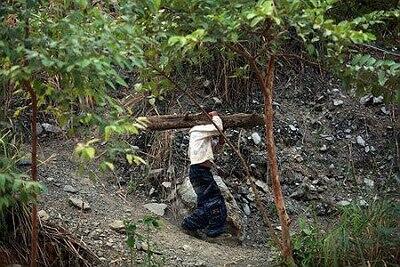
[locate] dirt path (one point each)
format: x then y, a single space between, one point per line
108 203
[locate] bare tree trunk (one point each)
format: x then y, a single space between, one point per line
34 217
167 122
267 88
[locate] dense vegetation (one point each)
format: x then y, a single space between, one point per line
71 59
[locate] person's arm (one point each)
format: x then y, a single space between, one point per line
219 144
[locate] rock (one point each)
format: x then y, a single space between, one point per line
152 191
343 203
50 179
51 128
70 189
117 226
366 100
246 209
262 185
385 111
235 220
166 184
293 128
337 102
76 202
187 248
156 208
256 138
250 196
323 148
200 263
43 215
142 246
187 194
369 182
25 162
377 100
155 172
298 158
206 83
298 194
217 100
360 141
39 129
362 203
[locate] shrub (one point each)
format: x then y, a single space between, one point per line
362 236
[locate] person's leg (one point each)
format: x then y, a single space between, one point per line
213 203
217 211
201 185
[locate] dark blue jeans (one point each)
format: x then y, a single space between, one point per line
210 213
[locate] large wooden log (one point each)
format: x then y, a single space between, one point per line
168 122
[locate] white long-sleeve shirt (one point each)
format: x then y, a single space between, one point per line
200 142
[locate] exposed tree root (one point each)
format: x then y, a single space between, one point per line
56 246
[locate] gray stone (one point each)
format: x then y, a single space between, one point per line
362 203
385 111
79 203
39 129
377 100
293 128
337 102
360 141
262 185
323 148
156 208
141 246
166 184
152 191
366 99
25 162
343 203
217 100
298 194
256 138
70 189
369 182
43 215
246 209
51 128
298 158
156 172
118 226
187 247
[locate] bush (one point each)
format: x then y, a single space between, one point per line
15 189
367 236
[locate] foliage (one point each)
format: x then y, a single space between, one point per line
362 236
73 63
135 240
183 32
15 189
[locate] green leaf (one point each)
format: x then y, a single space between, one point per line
129 158
256 20
89 152
382 78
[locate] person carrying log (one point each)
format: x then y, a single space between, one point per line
210 213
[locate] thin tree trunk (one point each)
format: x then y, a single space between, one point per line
34 217
167 122
267 88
